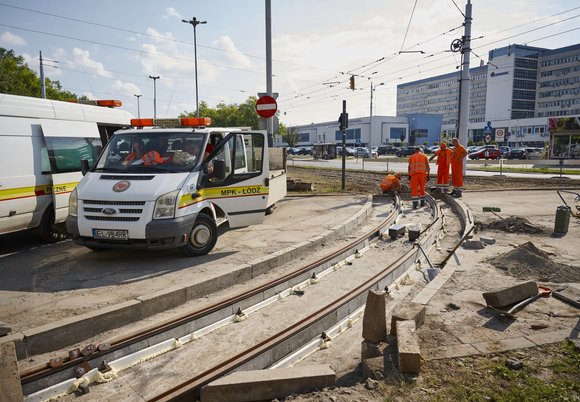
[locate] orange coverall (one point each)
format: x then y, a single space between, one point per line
459 153
418 171
443 155
390 182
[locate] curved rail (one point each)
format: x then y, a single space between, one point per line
273 349
125 345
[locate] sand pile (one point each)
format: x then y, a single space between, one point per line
527 262
513 224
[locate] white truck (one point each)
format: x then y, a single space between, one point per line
42 143
169 183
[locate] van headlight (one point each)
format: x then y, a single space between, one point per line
73 202
165 206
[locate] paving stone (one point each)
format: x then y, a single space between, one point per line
408 347
553 336
258 385
487 240
473 245
513 294
10 387
369 350
375 317
503 345
408 311
451 351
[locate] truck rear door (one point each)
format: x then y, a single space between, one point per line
236 181
67 143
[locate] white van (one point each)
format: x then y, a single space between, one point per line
169 183
42 143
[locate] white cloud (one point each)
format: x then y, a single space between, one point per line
10 39
232 55
83 58
170 12
126 88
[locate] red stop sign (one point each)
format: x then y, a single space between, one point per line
266 106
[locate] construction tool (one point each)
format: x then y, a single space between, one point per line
543 291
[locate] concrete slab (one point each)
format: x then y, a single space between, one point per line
408 347
10 388
510 295
258 385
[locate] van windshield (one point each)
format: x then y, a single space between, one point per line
152 152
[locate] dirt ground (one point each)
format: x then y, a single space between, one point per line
325 180
457 315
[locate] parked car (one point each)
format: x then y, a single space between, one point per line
387 150
534 153
517 154
292 151
406 151
504 150
362 152
486 152
473 148
432 149
305 151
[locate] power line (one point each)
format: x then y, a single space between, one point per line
453 1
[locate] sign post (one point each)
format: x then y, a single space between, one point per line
343 125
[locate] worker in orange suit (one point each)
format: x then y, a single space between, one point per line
391 182
459 154
443 155
418 175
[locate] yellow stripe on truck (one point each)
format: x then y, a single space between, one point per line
35 191
222 192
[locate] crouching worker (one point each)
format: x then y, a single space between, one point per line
391 182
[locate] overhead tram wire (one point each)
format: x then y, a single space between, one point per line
307 103
158 37
462 13
408 25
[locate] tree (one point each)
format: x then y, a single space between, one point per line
291 137
16 78
232 115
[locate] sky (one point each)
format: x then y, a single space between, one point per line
108 49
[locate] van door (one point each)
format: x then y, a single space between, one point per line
236 180
67 143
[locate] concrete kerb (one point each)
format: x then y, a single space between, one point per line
66 332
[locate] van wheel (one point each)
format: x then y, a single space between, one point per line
51 232
202 238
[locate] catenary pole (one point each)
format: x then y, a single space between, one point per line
154 95
42 83
465 83
270 120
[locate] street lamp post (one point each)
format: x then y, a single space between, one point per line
194 23
138 108
154 95
371 117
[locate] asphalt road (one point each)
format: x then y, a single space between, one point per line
394 164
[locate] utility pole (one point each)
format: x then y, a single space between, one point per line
194 23
138 109
154 95
269 121
465 83
42 83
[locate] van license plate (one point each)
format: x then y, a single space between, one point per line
111 234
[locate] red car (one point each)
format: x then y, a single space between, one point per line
486 152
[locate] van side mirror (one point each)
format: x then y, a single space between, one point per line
85 166
219 169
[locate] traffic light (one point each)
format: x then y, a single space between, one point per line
343 121
352 82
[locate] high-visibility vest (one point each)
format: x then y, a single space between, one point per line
418 163
152 157
459 152
390 182
444 156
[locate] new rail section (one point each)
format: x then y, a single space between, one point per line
273 349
